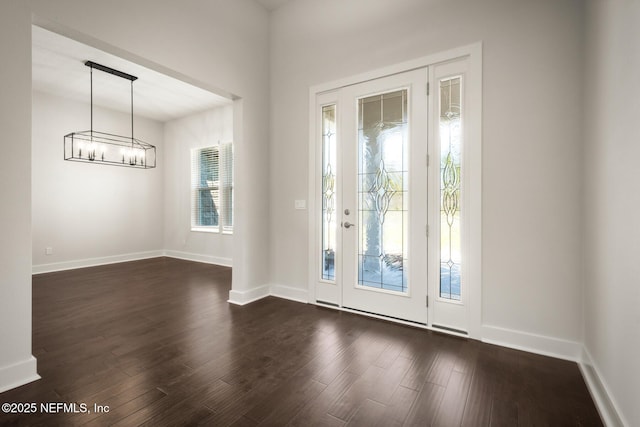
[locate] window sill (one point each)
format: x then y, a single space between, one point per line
205 229
215 230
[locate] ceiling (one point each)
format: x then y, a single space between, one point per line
272 4
58 69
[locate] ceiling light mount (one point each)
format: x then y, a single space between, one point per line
105 148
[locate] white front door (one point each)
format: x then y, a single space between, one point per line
394 194
384 203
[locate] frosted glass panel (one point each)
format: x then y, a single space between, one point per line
383 191
328 192
450 119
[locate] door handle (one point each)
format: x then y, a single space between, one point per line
348 224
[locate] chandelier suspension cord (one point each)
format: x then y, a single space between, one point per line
131 113
91 77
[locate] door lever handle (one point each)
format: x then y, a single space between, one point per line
348 224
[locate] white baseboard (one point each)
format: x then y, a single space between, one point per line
518 340
279 291
539 344
293 294
92 262
248 296
208 259
611 416
18 374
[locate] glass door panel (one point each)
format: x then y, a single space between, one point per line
383 191
329 213
450 125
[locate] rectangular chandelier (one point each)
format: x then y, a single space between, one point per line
105 148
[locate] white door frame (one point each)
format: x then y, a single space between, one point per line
473 151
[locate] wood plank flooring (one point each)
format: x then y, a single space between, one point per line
157 342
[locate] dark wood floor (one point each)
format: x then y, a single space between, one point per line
157 342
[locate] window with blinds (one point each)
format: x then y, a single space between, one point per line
212 188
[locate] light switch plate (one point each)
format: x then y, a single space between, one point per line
301 204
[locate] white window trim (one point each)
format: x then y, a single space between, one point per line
474 168
216 229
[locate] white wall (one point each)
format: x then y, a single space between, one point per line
222 44
612 201
85 211
531 135
218 44
180 136
17 366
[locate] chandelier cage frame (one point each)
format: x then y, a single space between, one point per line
95 147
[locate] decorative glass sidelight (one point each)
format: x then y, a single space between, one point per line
328 192
383 191
450 125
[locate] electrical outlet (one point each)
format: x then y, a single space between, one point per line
48 250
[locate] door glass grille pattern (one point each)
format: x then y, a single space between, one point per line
328 192
450 127
383 208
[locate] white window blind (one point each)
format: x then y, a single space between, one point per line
212 188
